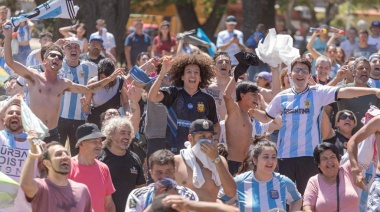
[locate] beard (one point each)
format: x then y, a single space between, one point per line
60 172
12 128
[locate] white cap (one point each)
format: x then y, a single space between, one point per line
74 40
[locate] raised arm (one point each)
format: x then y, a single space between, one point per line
227 96
134 95
65 31
332 39
269 94
339 76
351 92
155 95
310 48
326 128
352 148
17 67
27 182
77 88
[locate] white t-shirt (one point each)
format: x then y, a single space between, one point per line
12 160
108 39
374 41
225 36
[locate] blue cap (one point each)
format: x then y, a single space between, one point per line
96 37
375 24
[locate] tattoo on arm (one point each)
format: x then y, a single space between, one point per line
133 110
94 86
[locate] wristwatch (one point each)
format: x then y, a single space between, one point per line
217 160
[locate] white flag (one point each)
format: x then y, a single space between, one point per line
51 9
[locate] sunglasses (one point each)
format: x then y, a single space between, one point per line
54 55
345 116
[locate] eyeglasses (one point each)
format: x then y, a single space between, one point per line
361 68
345 116
54 55
299 70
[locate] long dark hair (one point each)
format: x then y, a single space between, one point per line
160 35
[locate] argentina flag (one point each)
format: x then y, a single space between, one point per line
50 9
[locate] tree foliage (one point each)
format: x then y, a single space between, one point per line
213 9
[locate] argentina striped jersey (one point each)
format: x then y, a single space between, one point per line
23 33
256 196
300 130
71 106
31 60
373 83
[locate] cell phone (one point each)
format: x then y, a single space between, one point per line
235 35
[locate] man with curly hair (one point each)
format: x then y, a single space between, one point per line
184 101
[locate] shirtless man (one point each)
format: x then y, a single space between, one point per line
203 153
238 123
370 128
222 69
46 88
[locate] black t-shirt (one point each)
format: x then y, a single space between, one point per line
338 140
84 56
182 110
126 172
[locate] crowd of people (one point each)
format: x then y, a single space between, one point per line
179 129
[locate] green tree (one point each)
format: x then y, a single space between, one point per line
255 12
187 14
114 12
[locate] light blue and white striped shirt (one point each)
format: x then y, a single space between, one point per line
373 83
71 106
23 33
300 130
31 60
256 196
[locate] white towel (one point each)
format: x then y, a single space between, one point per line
189 155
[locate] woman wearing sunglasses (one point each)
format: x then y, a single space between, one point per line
345 122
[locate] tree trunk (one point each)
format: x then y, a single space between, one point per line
187 15
255 12
114 12
288 17
213 19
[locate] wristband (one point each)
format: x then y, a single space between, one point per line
32 155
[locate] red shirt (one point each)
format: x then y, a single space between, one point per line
163 45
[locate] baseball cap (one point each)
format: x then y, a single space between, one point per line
88 131
231 19
202 125
71 40
96 37
375 24
265 75
374 55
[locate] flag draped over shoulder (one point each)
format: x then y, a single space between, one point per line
50 9
8 190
